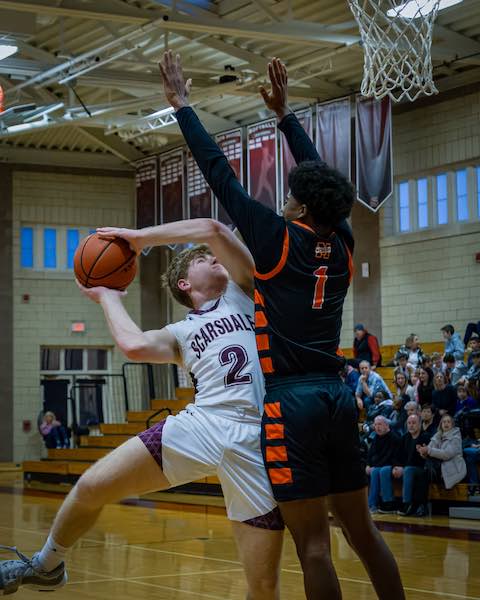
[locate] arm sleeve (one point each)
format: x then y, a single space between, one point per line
451 449
374 349
261 228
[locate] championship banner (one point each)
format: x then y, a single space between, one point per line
199 195
231 144
288 162
146 184
374 151
333 139
262 162
171 186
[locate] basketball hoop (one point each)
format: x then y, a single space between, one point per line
397 39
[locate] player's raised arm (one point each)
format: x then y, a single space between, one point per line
137 345
276 100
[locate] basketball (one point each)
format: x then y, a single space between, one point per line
109 263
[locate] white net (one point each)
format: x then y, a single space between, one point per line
397 39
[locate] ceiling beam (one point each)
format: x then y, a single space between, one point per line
113 144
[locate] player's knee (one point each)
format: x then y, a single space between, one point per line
264 587
314 554
89 489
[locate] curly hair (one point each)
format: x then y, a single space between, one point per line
178 269
327 194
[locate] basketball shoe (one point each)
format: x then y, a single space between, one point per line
27 572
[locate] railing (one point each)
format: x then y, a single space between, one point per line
155 414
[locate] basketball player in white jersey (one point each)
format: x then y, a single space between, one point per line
219 434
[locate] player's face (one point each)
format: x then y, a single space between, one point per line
292 210
205 272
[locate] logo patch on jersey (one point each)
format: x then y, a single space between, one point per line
323 250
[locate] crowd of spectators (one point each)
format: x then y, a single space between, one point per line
423 431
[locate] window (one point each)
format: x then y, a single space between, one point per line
422 202
26 247
404 206
442 199
50 359
50 248
73 237
96 359
462 195
73 359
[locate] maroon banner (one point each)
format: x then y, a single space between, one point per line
374 151
231 143
172 186
262 162
333 138
288 162
199 195
146 184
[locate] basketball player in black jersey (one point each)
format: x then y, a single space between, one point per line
303 263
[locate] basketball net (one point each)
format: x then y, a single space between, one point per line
2 97
397 40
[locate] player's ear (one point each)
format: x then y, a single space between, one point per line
183 285
302 211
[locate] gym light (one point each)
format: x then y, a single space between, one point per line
419 8
7 50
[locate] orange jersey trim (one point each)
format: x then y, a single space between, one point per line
267 365
307 227
281 262
260 319
350 264
263 343
274 431
259 299
273 410
280 476
276 454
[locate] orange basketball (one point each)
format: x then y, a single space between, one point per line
109 263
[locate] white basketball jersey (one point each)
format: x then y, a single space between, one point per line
218 348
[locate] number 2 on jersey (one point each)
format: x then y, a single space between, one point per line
237 357
321 275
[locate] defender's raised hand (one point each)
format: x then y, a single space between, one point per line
277 98
174 85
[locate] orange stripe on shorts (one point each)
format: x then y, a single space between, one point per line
267 365
263 343
276 453
260 319
280 476
273 410
259 299
274 431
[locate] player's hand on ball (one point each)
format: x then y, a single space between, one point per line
277 98
132 236
174 85
97 293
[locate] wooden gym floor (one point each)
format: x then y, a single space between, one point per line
146 552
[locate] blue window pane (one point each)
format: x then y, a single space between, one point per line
422 199
404 206
26 247
72 243
50 248
462 195
442 199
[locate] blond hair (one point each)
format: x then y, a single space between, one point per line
178 269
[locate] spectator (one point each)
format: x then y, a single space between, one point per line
404 390
368 385
365 346
446 447
444 396
454 370
465 403
398 416
413 351
411 408
429 420
473 329
352 375
401 360
471 453
382 406
473 372
438 366
381 454
53 432
473 346
427 361
409 466
425 386
453 342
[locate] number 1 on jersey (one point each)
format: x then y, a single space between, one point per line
321 275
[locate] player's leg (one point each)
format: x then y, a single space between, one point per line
260 551
308 523
350 509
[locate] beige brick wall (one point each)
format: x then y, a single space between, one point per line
59 199
430 278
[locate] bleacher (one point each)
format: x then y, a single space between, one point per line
62 467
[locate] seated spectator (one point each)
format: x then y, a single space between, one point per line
427 361
381 454
351 375
453 342
404 390
411 408
408 466
446 447
471 452
53 432
425 386
365 347
454 369
465 403
438 366
429 420
472 329
473 346
444 396
368 385
401 362
413 351
473 372
398 416
382 406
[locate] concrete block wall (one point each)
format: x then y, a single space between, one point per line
57 200
430 277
